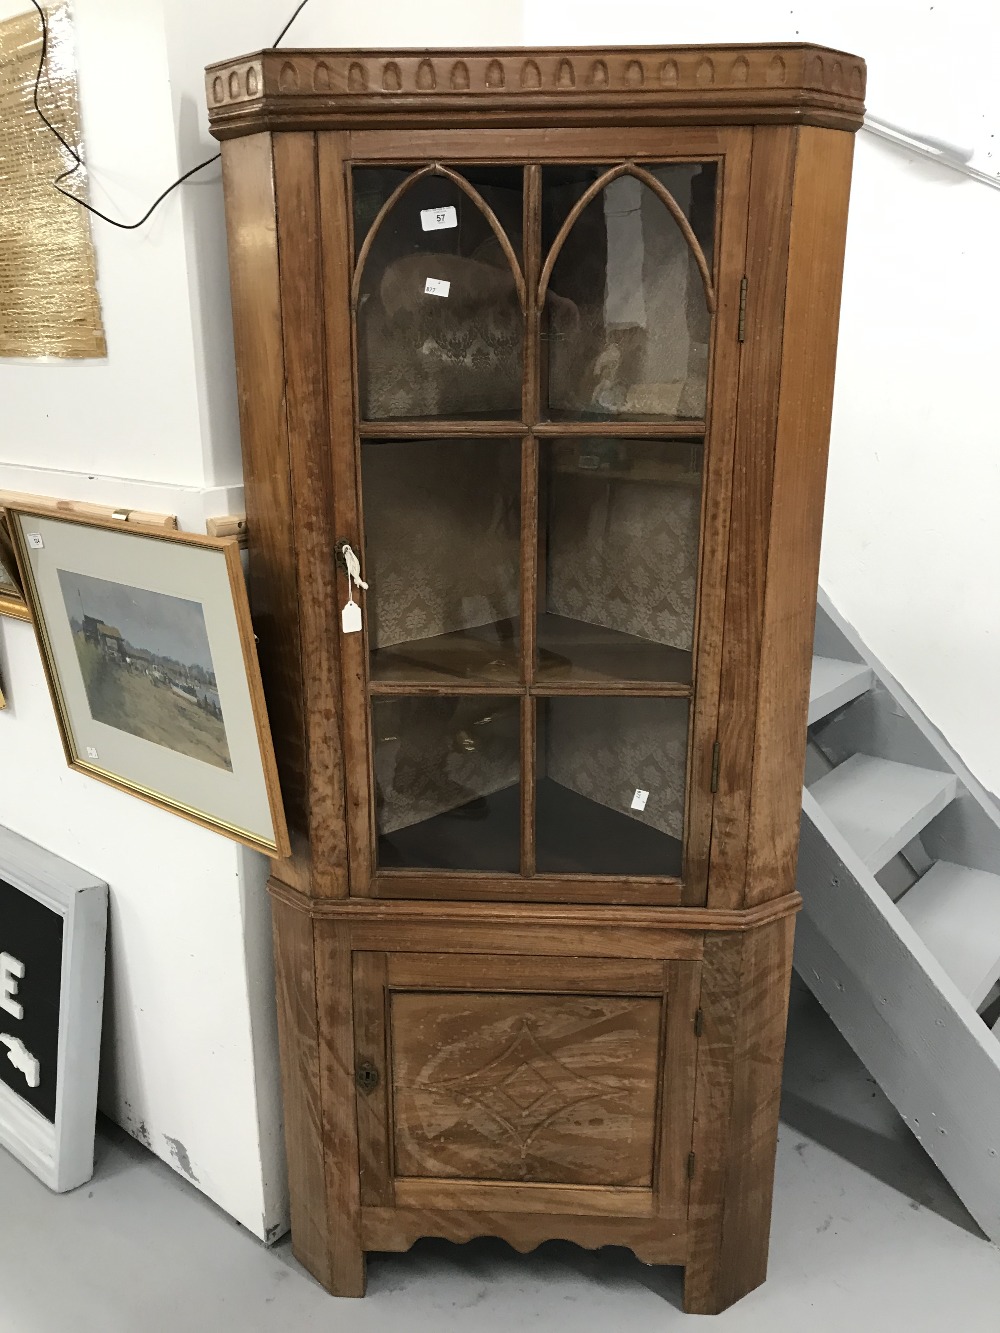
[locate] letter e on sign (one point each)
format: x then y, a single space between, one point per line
11 972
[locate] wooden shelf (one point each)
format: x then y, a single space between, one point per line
575 836
665 430
664 474
484 654
432 428
578 652
571 653
482 836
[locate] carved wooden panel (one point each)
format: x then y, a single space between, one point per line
540 1088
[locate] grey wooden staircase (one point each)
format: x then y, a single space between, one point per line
899 936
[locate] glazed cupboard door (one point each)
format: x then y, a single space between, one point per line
545 341
510 1085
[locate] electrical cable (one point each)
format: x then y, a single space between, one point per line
78 160
281 34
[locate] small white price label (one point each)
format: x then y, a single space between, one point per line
92 753
639 799
35 541
437 287
439 219
350 618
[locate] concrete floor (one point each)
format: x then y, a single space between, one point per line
867 1237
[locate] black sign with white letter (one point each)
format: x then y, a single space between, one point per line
31 949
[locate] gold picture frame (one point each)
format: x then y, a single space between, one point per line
12 601
150 657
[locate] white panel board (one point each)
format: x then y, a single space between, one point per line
49 1106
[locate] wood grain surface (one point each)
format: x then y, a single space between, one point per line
744 1000
536 1088
532 1055
639 85
298 1032
808 357
759 383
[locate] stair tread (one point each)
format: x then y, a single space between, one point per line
835 683
956 912
880 805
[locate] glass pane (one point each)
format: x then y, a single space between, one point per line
448 783
618 559
611 776
442 533
455 350
626 325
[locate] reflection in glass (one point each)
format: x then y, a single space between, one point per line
626 321
442 532
456 351
618 559
610 783
447 783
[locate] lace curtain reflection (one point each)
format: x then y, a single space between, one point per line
604 749
458 354
627 313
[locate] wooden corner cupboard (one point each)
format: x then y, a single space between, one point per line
546 338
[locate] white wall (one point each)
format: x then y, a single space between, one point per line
909 547
910 543
190 1052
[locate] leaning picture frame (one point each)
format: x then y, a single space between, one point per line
149 651
12 601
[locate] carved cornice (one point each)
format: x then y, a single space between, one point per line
286 89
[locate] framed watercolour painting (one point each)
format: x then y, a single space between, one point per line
149 652
12 601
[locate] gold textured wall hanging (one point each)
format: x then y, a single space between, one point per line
49 304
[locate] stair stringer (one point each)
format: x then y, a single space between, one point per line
929 1050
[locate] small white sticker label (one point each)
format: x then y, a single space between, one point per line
639 799
92 753
439 219
437 287
350 618
35 541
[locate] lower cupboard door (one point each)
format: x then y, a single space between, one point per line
525 1085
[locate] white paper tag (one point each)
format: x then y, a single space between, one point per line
92 753
439 219
350 618
35 541
639 799
437 287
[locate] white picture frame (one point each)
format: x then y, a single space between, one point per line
59 1152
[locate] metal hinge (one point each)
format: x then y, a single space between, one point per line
691 1165
715 767
699 1022
743 309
